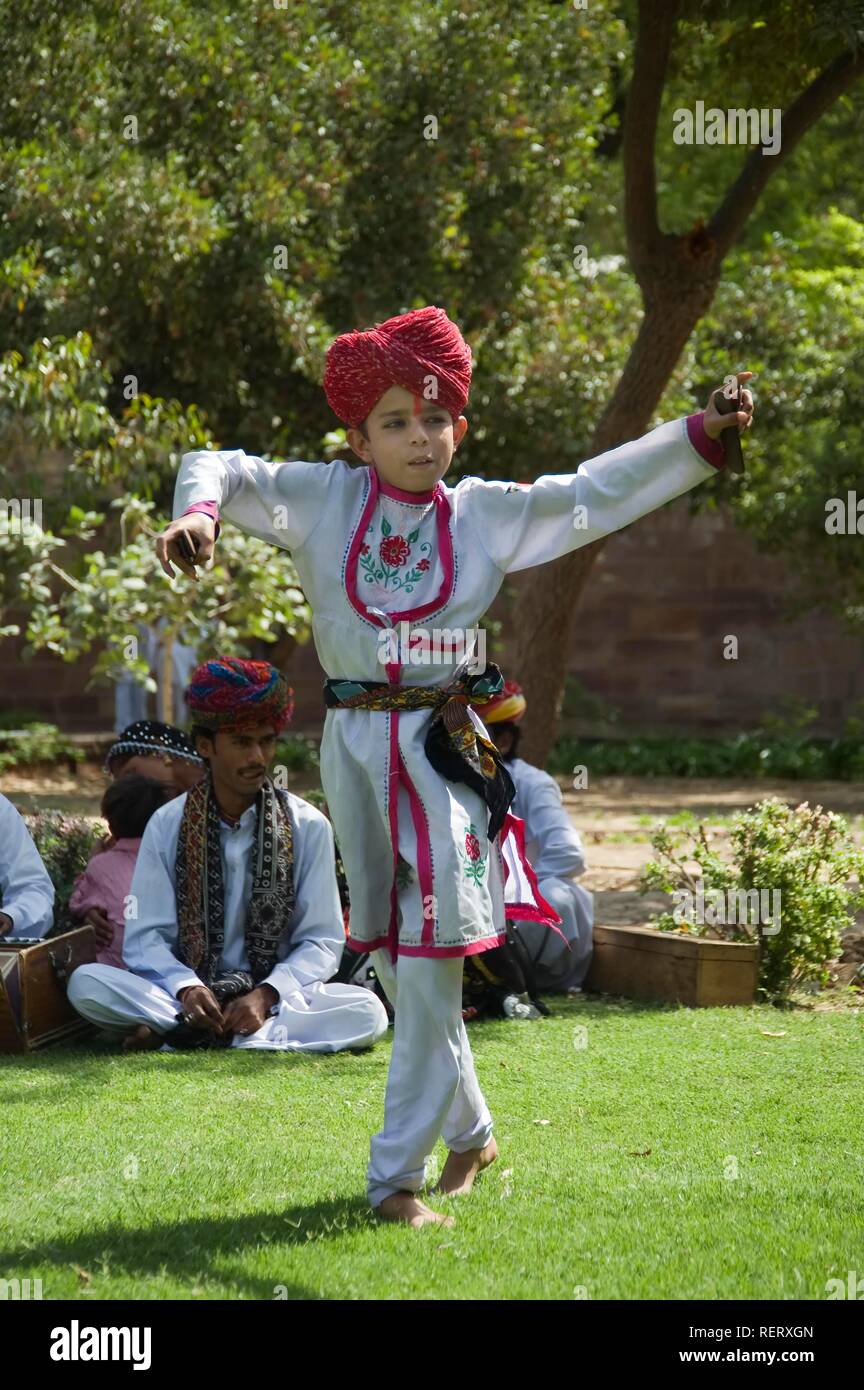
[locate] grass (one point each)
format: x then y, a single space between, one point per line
687 1155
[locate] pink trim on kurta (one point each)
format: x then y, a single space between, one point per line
711 450
543 912
401 494
378 943
445 550
424 855
393 814
210 509
473 948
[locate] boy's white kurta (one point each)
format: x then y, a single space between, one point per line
311 1015
371 557
26 891
554 849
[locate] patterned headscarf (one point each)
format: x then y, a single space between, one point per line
230 693
201 892
508 707
419 350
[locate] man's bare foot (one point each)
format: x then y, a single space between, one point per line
143 1039
405 1207
460 1170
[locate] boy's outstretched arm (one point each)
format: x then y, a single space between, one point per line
281 502
520 525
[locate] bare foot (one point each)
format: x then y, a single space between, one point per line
460 1170
405 1207
142 1040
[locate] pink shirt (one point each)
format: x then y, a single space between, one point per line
106 883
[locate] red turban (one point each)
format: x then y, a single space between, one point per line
402 351
230 693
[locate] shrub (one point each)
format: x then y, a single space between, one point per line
34 743
804 854
65 844
298 753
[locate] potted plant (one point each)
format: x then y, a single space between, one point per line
761 924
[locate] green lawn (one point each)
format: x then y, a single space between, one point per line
227 1175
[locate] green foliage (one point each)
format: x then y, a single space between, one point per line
805 855
298 753
794 301
34 744
236 184
780 748
65 844
80 600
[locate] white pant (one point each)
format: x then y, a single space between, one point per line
318 1018
432 1088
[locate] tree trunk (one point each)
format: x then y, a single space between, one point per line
165 697
547 602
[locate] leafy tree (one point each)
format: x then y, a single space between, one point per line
79 598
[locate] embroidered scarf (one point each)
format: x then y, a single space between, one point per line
201 893
453 745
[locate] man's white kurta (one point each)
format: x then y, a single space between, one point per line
372 557
26 891
316 942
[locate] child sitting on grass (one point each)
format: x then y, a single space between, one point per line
103 887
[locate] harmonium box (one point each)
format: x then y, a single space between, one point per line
34 1010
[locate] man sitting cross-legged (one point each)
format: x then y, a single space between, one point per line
234 922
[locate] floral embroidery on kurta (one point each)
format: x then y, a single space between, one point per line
472 860
394 553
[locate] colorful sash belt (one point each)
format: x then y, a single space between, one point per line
453 745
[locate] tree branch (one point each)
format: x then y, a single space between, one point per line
730 217
656 27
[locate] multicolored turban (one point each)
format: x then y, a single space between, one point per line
405 351
230 693
508 707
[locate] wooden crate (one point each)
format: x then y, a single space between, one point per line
645 963
34 1010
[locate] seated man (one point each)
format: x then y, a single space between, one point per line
553 848
235 923
26 891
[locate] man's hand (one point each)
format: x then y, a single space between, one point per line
102 928
715 423
6 923
249 1013
201 1009
199 532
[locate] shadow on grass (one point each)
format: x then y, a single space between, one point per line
92 1069
187 1249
